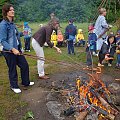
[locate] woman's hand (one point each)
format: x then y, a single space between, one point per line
58 49
15 51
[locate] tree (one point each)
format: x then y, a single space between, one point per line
80 10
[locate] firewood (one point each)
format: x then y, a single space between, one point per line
117 117
104 103
82 115
110 117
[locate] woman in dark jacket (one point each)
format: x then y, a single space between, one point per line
39 38
107 51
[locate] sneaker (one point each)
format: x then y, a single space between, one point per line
16 90
100 65
109 64
31 83
28 50
95 54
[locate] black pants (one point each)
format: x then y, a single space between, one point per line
27 43
102 57
12 62
60 43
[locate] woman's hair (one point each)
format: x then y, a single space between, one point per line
5 9
110 36
101 10
53 22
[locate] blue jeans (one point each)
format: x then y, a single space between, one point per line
93 46
81 42
70 47
118 59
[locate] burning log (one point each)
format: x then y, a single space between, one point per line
82 115
104 103
91 96
111 117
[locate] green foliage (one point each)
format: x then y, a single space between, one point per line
80 10
28 115
2 2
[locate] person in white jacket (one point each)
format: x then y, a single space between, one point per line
100 27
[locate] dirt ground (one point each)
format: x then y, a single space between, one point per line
41 94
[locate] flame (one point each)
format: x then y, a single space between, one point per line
96 83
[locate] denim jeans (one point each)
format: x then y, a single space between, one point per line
27 43
70 47
81 42
118 59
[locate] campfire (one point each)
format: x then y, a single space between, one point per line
91 97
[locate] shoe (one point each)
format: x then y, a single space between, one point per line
109 64
100 65
16 90
28 50
43 77
31 83
95 54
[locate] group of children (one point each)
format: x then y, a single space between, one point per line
77 39
57 38
107 51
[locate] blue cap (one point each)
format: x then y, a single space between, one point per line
25 23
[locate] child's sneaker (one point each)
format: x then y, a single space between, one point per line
100 65
109 64
16 90
95 54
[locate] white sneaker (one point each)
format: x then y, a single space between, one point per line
109 64
16 90
31 83
100 65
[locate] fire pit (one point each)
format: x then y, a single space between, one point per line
91 99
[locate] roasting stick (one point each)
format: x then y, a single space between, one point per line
76 65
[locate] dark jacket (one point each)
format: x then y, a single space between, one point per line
92 37
44 35
107 49
70 30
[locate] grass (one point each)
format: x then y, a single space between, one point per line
10 103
